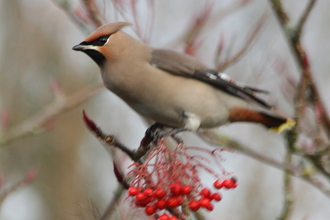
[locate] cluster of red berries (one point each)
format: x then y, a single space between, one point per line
158 199
206 196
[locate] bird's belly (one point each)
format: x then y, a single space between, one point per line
160 112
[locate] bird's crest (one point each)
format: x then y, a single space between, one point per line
107 29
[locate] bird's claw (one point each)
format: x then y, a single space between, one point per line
156 132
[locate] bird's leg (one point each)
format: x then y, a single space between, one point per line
156 132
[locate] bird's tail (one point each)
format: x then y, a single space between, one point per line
276 123
273 122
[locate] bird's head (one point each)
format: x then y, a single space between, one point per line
95 45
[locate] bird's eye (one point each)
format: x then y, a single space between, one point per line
103 40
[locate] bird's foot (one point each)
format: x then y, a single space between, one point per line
156 131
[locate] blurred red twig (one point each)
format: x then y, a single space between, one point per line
128 9
94 12
35 124
26 180
206 19
222 65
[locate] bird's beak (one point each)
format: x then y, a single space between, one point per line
79 47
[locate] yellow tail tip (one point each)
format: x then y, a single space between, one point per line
285 126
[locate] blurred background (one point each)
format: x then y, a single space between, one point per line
74 171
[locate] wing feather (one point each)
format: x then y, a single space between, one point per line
188 66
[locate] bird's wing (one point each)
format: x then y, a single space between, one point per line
187 66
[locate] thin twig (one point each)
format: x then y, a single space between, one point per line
208 21
303 18
34 125
220 140
113 203
288 191
26 180
65 5
251 38
217 139
302 60
94 12
280 13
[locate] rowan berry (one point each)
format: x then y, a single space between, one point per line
204 202
209 207
140 196
175 188
161 204
132 191
148 192
205 193
218 184
186 189
194 205
159 193
163 217
172 202
216 196
150 210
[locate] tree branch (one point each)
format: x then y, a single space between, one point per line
35 124
113 203
303 19
220 140
65 6
220 66
93 12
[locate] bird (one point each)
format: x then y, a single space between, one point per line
173 89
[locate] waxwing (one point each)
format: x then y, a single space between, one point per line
173 89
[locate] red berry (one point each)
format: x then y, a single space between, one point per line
172 202
218 184
205 193
209 207
150 210
216 196
148 192
186 189
132 191
161 204
234 185
163 217
230 183
159 193
194 205
204 202
141 203
140 196
175 188
180 199
173 218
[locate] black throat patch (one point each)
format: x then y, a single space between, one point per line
97 56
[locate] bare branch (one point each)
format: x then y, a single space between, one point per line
26 180
251 38
303 18
288 191
279 11
205 20
94 12
220 140
65 5
34 125
113 204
